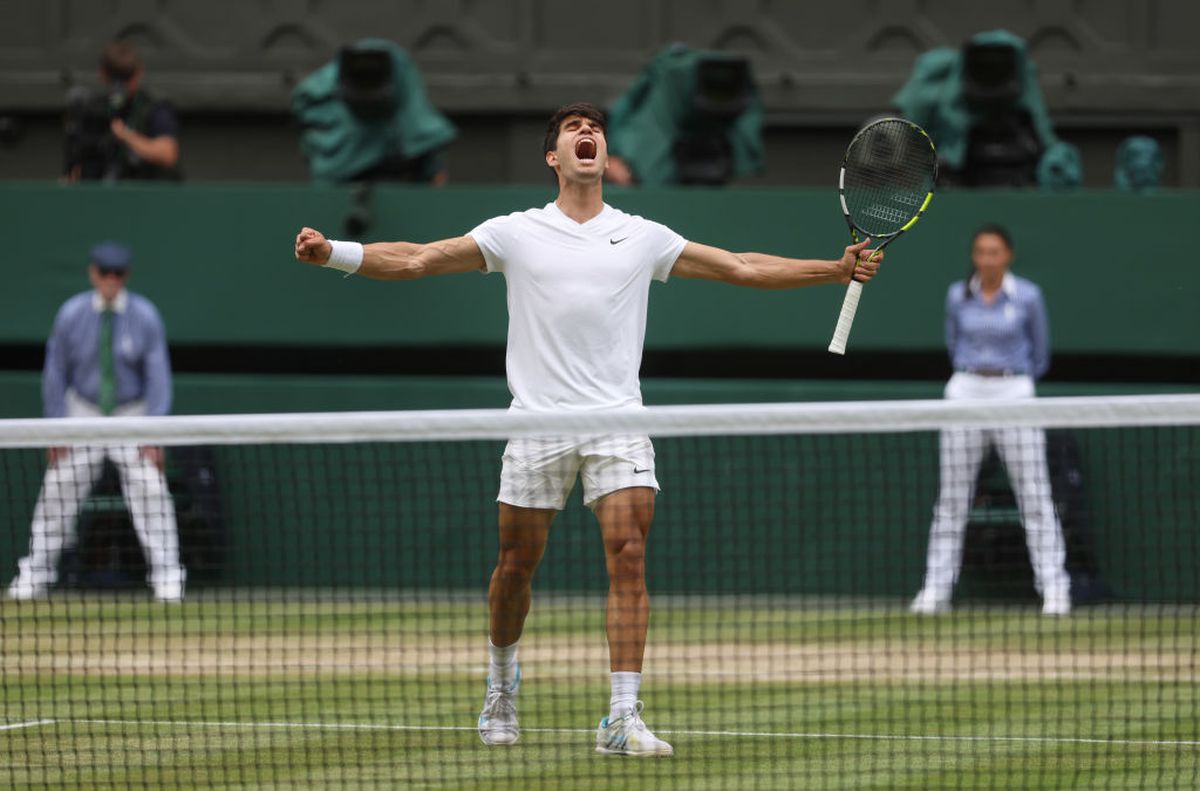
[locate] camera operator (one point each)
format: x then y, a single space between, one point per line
125 132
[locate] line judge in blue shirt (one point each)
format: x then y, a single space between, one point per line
999 344
107 355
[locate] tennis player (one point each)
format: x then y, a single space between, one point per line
578 274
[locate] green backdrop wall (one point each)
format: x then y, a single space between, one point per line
218 262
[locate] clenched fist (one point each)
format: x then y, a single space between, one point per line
312 247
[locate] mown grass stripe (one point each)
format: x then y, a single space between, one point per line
368 726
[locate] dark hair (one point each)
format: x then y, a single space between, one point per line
993 229
120 61
583 109
988 229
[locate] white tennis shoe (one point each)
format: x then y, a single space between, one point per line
498 720
928 602
628 735
1057 603
169 586
25 589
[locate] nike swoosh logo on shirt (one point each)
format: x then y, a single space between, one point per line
617 241
636 470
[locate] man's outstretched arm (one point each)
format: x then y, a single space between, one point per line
398 260
759 270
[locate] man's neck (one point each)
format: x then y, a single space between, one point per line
103 304
580 202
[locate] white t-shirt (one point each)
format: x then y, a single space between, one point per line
577 296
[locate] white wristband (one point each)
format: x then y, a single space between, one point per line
346 256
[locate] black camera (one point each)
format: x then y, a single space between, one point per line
366 84
724 87
1003 148
90 147
991 77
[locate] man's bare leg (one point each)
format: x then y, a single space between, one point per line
625 517
523 534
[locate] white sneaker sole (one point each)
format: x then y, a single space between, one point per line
649 754
27 594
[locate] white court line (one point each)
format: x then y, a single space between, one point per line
366 726
16 726
898 737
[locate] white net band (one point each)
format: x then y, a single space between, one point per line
660 421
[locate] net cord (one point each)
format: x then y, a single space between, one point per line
845 417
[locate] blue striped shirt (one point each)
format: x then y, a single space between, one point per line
1010 334
140 360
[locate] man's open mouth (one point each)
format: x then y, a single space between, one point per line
585 149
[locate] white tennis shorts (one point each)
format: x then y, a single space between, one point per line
540 472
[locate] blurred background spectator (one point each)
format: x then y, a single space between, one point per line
364 117
691 117
122 131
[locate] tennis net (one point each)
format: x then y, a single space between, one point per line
308 606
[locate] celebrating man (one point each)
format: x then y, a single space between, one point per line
578 273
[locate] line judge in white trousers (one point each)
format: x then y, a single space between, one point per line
107 355
998 339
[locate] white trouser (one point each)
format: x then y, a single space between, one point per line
1023 451
68 482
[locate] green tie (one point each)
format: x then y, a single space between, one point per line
108 377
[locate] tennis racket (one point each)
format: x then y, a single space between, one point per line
886 182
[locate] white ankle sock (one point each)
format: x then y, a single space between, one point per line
502 664
624 693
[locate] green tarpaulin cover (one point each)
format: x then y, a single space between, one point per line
933 98
645 123
340 144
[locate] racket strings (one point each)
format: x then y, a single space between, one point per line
890 167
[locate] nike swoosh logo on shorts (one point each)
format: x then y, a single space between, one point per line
637 471
617 241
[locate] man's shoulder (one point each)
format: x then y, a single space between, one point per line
140 301
82 298
616 215
157 106
142 306
75 304
623 219
533 215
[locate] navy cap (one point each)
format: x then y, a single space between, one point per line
111 255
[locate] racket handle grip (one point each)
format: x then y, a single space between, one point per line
841 333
